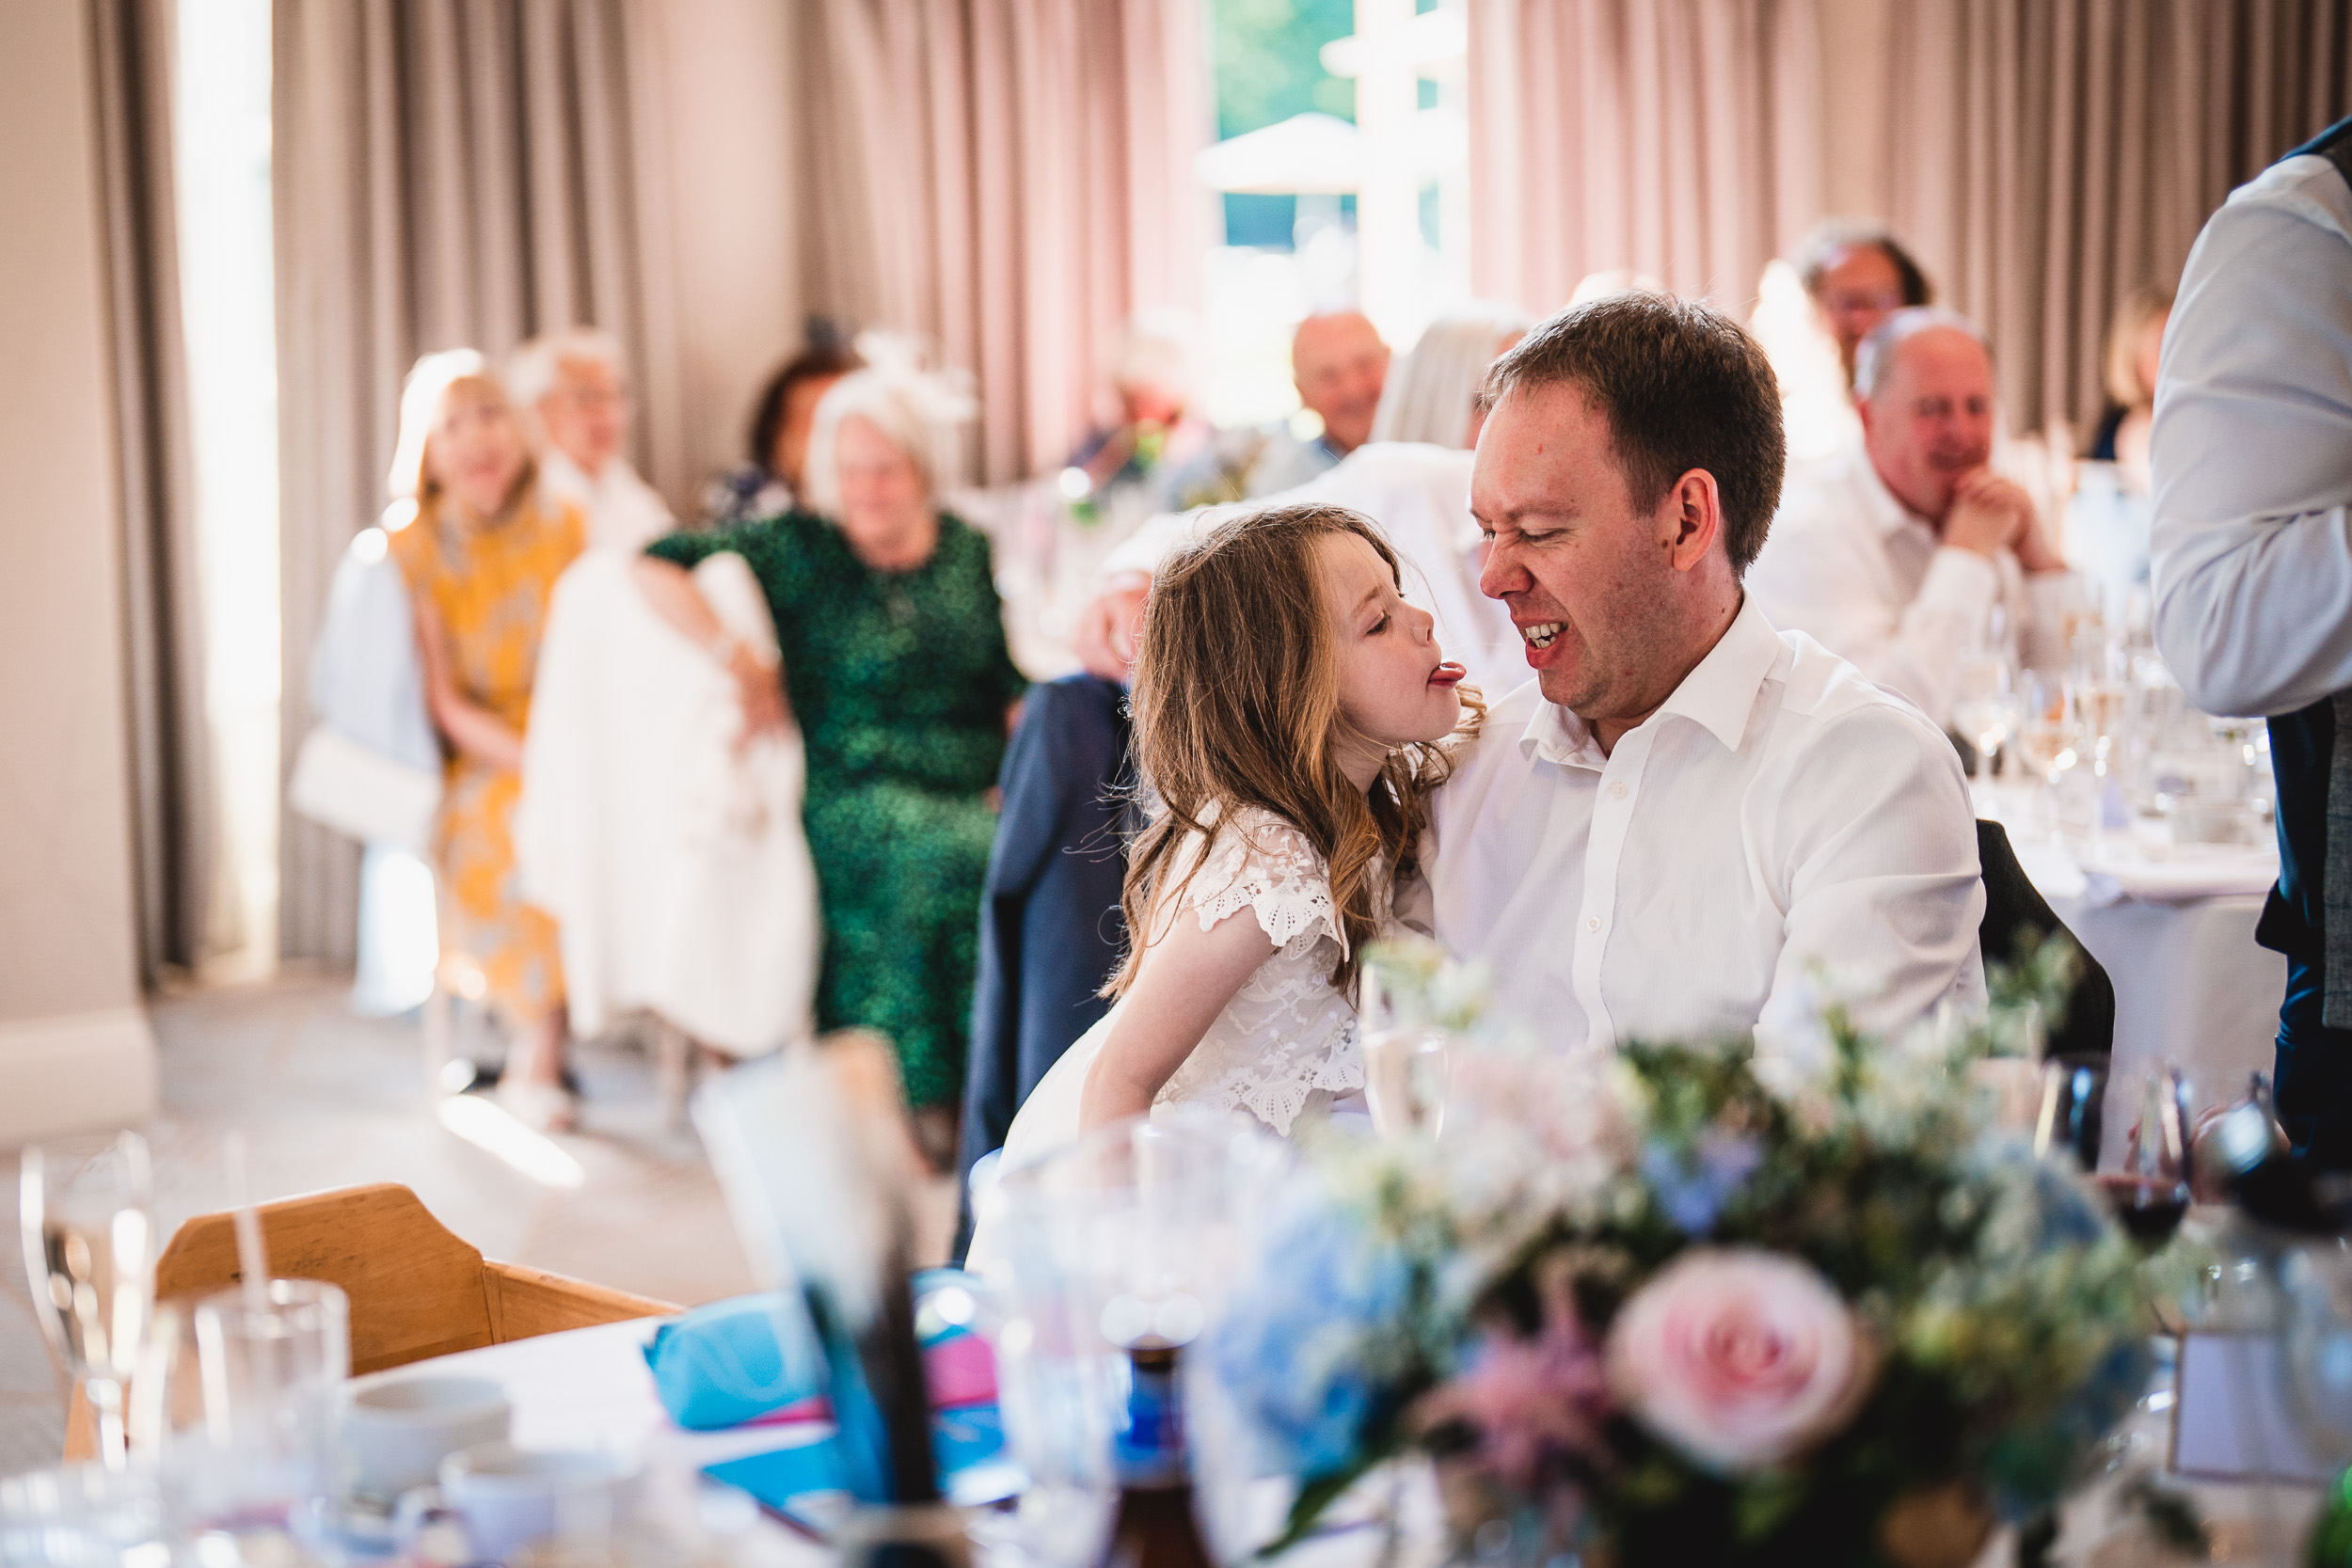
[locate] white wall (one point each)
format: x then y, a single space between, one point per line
75 1048
723 73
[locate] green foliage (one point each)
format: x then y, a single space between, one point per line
1268 65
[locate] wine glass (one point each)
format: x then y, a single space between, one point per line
1984 710
86 1208
2148 1189
1405 1065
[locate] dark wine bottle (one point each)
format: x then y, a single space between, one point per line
1154 1526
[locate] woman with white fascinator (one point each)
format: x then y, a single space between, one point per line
891 659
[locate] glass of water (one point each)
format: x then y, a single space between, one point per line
86 1208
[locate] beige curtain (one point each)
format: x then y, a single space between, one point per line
1008 180
175 834
2050 156
444 172
1677 138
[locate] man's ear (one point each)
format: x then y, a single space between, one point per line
1689 519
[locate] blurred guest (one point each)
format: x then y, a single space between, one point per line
2134 338
894 663
481 558
1051 929
1858 275
1156 449
1432 395
1895 557
768 483
1338 365
2254 569
573 385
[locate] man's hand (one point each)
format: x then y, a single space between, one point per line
1990 514
1109 625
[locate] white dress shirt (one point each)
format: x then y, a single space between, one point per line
1849 565
623 510
1419 495
2251 549
1778 813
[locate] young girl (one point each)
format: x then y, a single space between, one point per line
1290 708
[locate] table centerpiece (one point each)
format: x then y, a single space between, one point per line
1799 1298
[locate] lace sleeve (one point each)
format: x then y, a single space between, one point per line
1261 863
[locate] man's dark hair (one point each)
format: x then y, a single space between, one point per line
1826 240
827 355
1682 388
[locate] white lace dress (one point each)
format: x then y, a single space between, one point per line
1286 1041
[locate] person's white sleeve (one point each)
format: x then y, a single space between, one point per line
1818 581
2251 548
1887 895
1165 532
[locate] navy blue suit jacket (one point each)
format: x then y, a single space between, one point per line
1050 925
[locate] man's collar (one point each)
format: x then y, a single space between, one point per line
1718 695
1886 509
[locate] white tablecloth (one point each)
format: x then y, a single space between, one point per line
2190 986
589 1389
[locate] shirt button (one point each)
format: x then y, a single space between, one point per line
1592 923
1617 789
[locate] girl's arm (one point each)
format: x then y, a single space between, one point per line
465 725
669 588
1185 980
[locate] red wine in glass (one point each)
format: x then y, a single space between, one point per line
2149 1208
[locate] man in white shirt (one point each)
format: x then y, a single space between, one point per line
2251 553
1896 554
573 385
1687 813
1338 365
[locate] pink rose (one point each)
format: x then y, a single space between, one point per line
1741 1358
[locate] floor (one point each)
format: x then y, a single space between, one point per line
329 1100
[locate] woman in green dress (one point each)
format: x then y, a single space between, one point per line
895 665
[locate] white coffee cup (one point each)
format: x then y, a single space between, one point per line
507 1497
397 1432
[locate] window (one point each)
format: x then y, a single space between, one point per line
1342 162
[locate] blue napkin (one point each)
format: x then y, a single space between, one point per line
968 1443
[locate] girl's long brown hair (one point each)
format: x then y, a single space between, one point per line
1237 703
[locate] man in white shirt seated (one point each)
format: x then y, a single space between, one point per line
1896 554
574 387
1687 814
1338 365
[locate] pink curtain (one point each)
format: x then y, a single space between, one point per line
1009 179
2048 156
1674 138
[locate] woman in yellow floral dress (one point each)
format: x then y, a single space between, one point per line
480 556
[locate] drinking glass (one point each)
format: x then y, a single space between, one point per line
87 1211
1405 1065
271 1364
2147 1185
1984 710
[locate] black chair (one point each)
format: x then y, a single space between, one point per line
2012 905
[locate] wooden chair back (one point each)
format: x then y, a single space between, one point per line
417 1290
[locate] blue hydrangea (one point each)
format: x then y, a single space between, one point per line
1693 1188
1296 1344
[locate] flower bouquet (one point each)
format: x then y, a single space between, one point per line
1797 1300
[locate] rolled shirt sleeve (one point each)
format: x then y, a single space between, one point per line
2251 547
